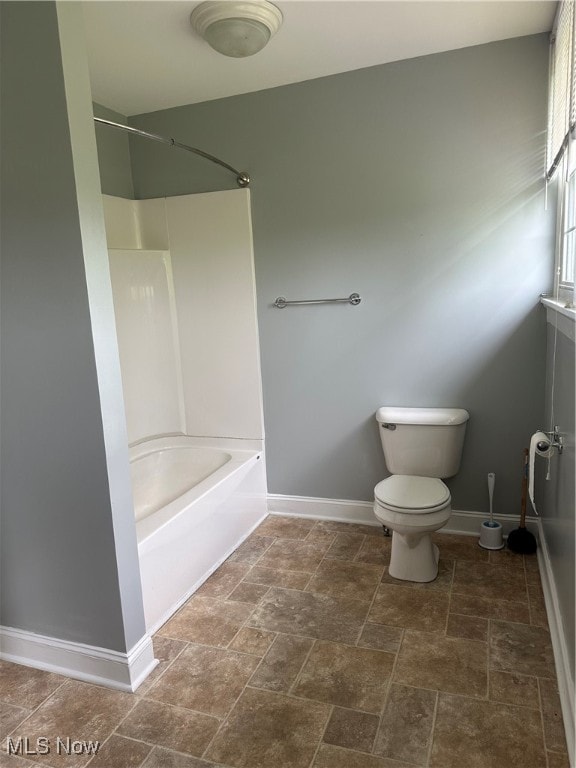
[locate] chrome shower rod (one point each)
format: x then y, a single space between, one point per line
242 178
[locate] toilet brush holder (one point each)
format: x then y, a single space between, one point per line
490 530
491 535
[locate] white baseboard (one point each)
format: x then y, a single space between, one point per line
559 645
112 669
345 511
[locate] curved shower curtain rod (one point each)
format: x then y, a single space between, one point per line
242 178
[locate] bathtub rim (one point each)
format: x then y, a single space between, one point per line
240 455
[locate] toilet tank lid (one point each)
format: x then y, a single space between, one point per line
425 416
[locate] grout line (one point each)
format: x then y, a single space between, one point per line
488 656
121 736
297 678
362 628
388 690
321 741
433 728
388 762
541 702
450 598
163 672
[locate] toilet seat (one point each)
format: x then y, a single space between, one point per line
411 494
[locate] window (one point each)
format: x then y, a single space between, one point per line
566 266
561 148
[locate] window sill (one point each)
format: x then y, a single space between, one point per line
559 306
560 316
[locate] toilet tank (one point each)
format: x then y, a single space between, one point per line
422 441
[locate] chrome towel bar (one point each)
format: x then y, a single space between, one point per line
353 299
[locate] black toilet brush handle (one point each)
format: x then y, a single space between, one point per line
524 491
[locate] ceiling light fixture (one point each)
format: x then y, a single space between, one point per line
236 29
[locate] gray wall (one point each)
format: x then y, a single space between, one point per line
558 508
419 185
113 154
63 574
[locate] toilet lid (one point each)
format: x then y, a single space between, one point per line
407 492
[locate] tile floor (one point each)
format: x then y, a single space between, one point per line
302 652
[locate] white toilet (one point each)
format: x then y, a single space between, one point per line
421 445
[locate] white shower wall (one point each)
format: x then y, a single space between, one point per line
182 275
146 328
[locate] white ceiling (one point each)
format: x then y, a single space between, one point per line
144 55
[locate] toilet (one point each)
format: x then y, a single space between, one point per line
421 445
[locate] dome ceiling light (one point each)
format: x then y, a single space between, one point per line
236 29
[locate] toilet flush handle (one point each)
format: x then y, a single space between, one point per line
391 427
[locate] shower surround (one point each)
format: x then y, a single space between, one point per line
184 299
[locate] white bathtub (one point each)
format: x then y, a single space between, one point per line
195 500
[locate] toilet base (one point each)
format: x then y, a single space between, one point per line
414 557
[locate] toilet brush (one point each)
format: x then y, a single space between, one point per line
521 540
490 530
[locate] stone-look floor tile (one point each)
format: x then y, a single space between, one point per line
292 555
538 613
224 580
490 608
274 577
207 620
248 593
251 550
14 761
447 664
207 680
334 527
285 527
345 546
380 637
270 729
532 577
324 538
10 717
531 563
491 581
166 758
558 760
535 591
120 753
506 557
375 550
281 665
170 727
311 615
165 650
343 579
336 757
351 729
471 627
77 711
511 688
443 580
456 547
26 687
522 649
254 641
406 729
346 676
413 608
486 734
554 736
